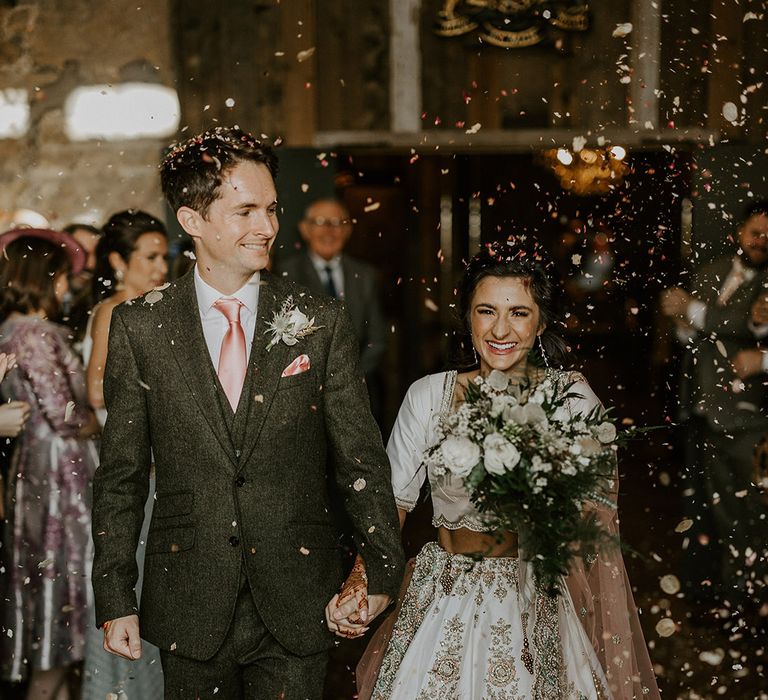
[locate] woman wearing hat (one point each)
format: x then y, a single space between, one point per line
46 555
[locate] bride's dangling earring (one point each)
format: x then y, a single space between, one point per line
543 352
474 352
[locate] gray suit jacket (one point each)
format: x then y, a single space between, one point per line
361 297
707 383
236 492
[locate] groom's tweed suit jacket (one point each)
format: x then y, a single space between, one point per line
243 492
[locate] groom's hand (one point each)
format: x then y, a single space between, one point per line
121 637
349 612
339 616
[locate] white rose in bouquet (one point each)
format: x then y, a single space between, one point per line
588 446
460 455
528 413
497 380
500 455
606 432
500 403
535 413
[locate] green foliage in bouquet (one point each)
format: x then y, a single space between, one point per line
533 467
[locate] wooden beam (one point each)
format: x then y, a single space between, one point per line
646 61
405 66
511 141
299 107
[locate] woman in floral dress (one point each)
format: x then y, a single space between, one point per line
44 584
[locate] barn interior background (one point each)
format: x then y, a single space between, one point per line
442 125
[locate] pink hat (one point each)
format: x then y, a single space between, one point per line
77 256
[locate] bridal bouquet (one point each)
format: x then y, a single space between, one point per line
530 466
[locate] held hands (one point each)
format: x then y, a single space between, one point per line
674 302
352 609
121 637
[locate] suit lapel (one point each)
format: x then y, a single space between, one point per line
184 329
264 367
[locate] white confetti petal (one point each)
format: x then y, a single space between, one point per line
730 112
622 30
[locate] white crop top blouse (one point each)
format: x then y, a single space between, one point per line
415 431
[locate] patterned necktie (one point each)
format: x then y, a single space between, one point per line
330 287
233 359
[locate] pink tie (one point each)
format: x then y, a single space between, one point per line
233 359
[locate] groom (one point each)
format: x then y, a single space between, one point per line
237 384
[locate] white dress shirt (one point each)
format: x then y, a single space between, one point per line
696 312
337 272
215 325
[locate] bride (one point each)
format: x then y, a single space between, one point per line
473 622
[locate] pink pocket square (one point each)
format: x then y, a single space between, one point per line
299 365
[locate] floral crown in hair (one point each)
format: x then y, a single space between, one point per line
202 143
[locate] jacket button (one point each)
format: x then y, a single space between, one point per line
240 481
234 541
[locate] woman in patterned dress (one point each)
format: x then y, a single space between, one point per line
473 622
44 582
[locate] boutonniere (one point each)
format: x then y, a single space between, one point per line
290 325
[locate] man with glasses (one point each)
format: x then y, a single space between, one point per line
325 269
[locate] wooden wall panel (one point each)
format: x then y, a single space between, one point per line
353 65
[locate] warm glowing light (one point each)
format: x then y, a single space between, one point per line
14 113
125 111
595 171
564 156
618 152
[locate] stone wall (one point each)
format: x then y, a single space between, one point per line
49 47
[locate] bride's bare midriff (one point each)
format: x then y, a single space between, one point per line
464 541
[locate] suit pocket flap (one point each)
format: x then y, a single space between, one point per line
170 540
170 505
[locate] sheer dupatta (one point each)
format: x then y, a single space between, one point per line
600 589
604 604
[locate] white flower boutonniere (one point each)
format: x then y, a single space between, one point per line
290 325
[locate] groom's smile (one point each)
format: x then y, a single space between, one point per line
234 237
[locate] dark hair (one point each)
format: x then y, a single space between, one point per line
120 235
755 208
28 275
524 258
191 173
71 228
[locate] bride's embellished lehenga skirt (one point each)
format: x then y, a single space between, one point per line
464 632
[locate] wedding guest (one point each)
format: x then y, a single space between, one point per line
325 268
45 552
78 301
130 261
724 414
474 622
